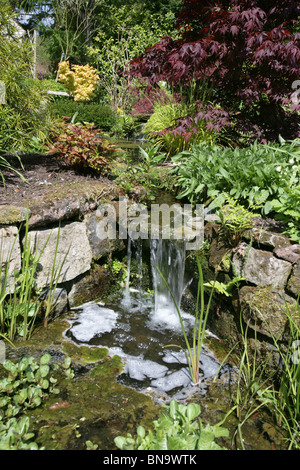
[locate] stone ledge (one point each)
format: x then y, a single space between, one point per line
263 237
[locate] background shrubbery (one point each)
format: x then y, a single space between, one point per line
99 114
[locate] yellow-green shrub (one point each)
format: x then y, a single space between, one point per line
80 80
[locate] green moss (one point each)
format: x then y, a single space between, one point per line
84 354
111 366
10 215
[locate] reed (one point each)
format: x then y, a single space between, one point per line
20 299
193 348
285 394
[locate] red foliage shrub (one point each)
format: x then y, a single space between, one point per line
82 147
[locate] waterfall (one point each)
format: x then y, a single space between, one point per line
126 298
167 258
167 261
135 248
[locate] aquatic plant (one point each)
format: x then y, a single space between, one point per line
178 429
27 384
193 350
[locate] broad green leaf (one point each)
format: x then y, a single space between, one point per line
45 359
193 410
45 369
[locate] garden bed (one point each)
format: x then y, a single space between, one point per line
42 172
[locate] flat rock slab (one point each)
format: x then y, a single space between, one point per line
289 253
73 250
11 214
69 201
265 238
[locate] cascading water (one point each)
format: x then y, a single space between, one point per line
167 264
135 248
138 326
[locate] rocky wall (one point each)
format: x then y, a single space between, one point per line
268 264
67 231
64 233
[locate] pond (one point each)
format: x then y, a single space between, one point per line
139 324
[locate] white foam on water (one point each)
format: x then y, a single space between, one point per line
209 365
94 320
180 378
175 357
166 316
140 369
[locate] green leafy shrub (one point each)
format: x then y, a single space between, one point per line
102 116
82 147
262 176
179 429
162 126
287 208
5 164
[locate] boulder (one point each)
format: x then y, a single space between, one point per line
10 255
219 255
59 301
73 252
90 287
260 267
265 309
102 244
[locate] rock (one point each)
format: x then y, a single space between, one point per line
211 230
102 244
260 267
90 287
219 255
76 261
59 405
290 253
265 309
294 282
10 214
10 255
44 212
69 201
266 238
60 301
212 218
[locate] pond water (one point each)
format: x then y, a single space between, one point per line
139 325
